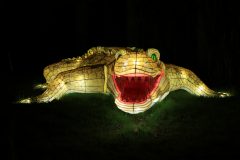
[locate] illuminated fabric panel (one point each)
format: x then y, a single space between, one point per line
136 78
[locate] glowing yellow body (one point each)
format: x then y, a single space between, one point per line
98 70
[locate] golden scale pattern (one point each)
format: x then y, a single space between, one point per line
92 73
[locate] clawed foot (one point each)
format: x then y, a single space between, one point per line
41 86
223 94
26 101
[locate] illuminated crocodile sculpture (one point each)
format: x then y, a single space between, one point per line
136 78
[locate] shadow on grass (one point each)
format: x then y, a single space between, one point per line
91 125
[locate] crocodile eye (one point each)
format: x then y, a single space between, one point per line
154 56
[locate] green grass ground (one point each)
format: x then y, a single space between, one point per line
181 126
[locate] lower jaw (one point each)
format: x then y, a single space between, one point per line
133 102
133 108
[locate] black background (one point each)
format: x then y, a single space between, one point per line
201 35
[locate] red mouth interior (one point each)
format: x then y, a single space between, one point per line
135 88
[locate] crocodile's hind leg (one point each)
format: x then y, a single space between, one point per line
181 78
81 80
54 90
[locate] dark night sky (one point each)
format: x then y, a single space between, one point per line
200 35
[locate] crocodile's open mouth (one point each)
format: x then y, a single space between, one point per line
135 88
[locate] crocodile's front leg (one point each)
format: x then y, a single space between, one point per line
181 78
81 80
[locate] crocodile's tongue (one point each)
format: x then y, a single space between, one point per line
135 88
